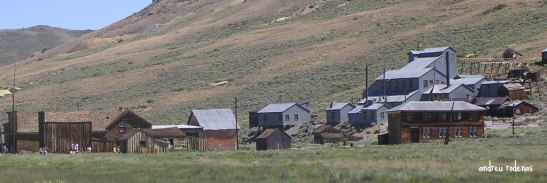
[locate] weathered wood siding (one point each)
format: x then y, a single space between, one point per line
135 144
196 143
277 140
58 136
27 142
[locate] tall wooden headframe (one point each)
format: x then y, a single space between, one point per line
490 69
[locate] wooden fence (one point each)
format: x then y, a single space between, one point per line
196 143
490 69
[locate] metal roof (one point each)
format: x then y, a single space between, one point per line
373 106
356 109
215 119
279 107
420 63
401 74
176 126
490 100
338 106
494 82
432 50
468 79
443 89
436 106
394 98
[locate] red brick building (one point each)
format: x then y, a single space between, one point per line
219 128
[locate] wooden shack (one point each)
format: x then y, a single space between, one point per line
273 139
515 91
327 134
492 104
422 121
152 140
517 107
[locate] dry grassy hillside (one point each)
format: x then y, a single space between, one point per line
20 44
174 55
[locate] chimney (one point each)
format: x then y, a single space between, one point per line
447 58
121 109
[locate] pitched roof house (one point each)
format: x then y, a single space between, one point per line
279 114
327 134
517 107
492 105
219 128
337 113
273 139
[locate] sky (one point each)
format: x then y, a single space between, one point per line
67 14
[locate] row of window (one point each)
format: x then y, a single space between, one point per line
443 131
440 116
287 117
121 126
429 83
373 115
395 84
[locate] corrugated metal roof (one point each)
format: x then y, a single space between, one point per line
279 107
435 50
338 106
490 100
401 74
420 63
356 109
373 106
437 106
443 89
494 82
176 126
467 79
216 119
394 98
269 132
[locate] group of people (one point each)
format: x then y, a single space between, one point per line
116 149
76 148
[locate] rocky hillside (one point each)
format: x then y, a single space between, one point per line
174 56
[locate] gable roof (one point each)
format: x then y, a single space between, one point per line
513 103
420 63
338 106
401 74
484 101
394 98
280 107
433 50
442 89
468 79
436 106
268 132
215 119
123 115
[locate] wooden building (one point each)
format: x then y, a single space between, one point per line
514 91
517 107
58 130
152 140
219 128
273 139
327 134
422 121
492 105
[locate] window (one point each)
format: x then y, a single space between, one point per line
332 115
425 84
457 116
396 84
442 116
442 132
280 117
404 84
372 118
426 132
142 144
452 56
135 124
410 85
381 115
409 117
458 131
389 83
287 118
265 117
122 127
472 116
437 82
430 82
426 116
296 117
473 131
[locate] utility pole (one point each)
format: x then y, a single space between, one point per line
237 130
513 119
13 118
447 137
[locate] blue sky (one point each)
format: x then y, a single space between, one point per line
68 14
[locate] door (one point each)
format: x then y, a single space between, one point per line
414 135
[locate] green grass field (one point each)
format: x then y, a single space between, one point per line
423 162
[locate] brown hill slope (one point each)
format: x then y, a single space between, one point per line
175 56
20 44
